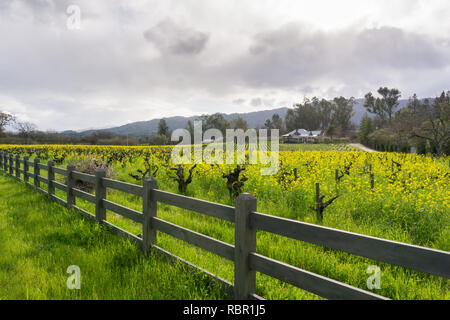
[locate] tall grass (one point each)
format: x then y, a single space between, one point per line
39 240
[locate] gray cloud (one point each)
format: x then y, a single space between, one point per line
239 101
169 37
117 69
292 55
256 102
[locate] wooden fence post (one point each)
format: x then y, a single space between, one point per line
70 185
245 243
51 178
25 169
5 162
149 210
18 167
100 194
11 170
37 172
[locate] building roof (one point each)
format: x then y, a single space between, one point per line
303 133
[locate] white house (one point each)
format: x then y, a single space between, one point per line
301 136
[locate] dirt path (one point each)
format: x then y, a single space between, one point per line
363 148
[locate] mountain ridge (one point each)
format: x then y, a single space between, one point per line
255 119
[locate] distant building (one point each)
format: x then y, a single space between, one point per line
301 136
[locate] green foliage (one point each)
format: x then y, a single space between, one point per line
365 129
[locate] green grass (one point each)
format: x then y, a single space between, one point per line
40 239
347 214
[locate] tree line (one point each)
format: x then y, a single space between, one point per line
423 124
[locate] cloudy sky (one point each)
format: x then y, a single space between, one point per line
137 60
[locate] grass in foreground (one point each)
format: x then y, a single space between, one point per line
39 240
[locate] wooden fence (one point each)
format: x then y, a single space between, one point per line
247 221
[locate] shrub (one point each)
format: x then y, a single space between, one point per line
89 166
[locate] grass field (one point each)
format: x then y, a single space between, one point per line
410 205
40 239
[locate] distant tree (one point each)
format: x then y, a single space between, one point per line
277 122
5 119
25 128
290 120
307 117
215 121
238 123
435 123
190 128
159 139
383 107
343 112
268 124
325 110
331 131
365 129
163 128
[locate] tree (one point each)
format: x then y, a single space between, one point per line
290 120
215 121
435 124
307 116
5 119
383 107
343 112
325 109
25 128
190 128
365 129
277 122
239 123
163 128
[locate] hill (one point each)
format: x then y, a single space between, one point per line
254 119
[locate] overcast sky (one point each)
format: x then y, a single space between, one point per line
141 59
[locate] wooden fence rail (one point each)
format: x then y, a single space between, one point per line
247 222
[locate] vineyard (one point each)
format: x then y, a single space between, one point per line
395 196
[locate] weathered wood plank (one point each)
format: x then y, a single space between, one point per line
123 186
83 177
70 185
36 171
423 259
83 195
50 177
60 171
123 211
149 211
60 186
100 195
245 243
201 206
42 166
317 284
223 249
42 179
